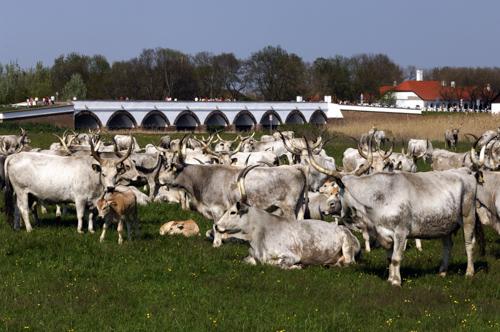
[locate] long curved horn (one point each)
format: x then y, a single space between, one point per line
320 168
473 157
366 166
286 145
94 153
237 149
361 152
385 155
241 182
493 156
182 150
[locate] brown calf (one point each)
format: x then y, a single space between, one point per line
187 228
118 207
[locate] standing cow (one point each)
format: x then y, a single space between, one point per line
451 138
384 204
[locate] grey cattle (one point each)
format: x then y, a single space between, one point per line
148 167
10 144
165 142
124 141
288 243
395 206
451 138
254 158
212 188
444 159
354 159
488 200
320 205
56 179
403 162
420 149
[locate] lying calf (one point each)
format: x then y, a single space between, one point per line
118 207
187 228
287 243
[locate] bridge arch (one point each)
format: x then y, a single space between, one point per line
155 120
244 121
270 120
216 120
318 118
87 120
295 117
121 120
186 121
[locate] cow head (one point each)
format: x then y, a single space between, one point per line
235 221
103 207
113 171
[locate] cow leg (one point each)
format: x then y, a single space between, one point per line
23 206
43 209
104 229
120 231
469 243
58 211
80 212
366 237
250 260
418 244
447 245
91 221
397 256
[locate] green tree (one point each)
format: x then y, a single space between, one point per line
75 88
332 76
276 74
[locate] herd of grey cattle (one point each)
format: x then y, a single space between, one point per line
279 209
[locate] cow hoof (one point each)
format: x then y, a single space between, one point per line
395 283
442 274
469 274
29 230
91 231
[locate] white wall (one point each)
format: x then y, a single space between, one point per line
495 108
408 99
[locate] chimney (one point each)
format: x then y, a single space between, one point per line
420 75
443 83
394 83
452 84
328 99
299 99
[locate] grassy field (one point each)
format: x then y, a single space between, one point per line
57 280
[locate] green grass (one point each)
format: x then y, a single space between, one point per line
57 280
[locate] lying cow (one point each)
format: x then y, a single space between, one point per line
118 207
288 243
187 228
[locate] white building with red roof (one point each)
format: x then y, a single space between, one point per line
429 95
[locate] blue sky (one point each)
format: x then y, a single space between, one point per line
422 33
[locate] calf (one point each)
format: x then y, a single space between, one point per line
118 207
187 228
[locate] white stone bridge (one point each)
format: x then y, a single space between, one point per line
185 115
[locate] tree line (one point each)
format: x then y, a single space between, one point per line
271 73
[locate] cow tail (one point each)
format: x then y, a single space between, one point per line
305 190
479 234
8 197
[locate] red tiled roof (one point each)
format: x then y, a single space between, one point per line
428 90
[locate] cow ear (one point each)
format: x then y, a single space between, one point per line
96 167
242 208
340 183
